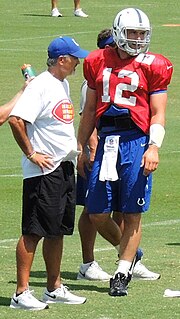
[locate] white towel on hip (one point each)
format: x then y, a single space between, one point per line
108 171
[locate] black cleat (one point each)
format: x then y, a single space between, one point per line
118 285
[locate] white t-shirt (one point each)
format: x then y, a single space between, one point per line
81 109
47 108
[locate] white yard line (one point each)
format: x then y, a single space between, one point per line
11 175
43 37
153 224
163 223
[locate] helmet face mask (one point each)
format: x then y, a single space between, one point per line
129 20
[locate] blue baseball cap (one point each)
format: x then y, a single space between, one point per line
66 45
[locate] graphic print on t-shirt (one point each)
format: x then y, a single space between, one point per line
64 111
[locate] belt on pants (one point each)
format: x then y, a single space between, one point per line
117 122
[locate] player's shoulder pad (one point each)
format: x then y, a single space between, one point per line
153 60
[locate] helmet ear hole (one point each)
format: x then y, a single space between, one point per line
131 19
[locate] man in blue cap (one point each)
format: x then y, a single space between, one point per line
42 124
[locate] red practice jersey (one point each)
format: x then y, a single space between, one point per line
127 83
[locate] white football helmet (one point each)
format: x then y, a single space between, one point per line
131 19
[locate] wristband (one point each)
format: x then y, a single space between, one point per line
30 156
156 135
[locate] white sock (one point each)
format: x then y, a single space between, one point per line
123 267
86 266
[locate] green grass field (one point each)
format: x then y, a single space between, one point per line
26 29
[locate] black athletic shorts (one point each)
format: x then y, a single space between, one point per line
49 203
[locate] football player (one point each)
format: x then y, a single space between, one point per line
126 100
90 269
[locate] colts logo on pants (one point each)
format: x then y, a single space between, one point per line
64 111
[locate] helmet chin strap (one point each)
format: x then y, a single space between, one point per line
140 48
123 53
126 48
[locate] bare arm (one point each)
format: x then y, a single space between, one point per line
86 128
92 143
18 127
158 103
6 109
